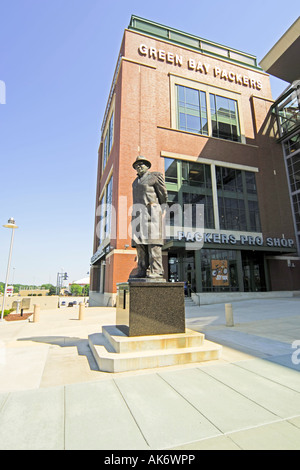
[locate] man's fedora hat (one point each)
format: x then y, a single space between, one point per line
141 159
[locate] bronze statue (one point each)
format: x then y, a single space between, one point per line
149 193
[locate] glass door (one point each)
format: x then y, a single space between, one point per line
253 272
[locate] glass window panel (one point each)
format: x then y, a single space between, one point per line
108 207
111 133
224 117
101 228
181 93
193 123
172 215
212 103
204 126
170 170
196 200
292 144
196 174
190 111
254 216
182 121
192 97
105 150
222 105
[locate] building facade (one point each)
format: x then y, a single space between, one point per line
201 113
283 62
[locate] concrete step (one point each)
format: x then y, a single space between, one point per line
122 343
109 360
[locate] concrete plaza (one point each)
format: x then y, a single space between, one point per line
52 396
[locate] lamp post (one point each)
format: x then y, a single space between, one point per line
10 224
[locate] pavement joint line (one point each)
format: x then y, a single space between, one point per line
247 428
182 396
240 393
4 401
237 364
130 411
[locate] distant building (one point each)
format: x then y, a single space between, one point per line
82 282
202 114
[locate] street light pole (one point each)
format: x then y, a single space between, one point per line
11 224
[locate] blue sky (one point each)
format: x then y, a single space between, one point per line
57 59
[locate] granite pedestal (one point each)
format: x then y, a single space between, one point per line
150 330
150 307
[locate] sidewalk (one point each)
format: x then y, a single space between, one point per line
52 396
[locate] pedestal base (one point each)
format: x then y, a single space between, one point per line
120 353
150 308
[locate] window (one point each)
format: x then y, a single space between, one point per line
101 222
108 140
229 179
105 150
237 200
108 207
170 170
292 144
192 112
296 205
224 118
232 214
254 216
205 110
293 163
232 206
195 200
189 183
111 133
105 222
172 201
195 174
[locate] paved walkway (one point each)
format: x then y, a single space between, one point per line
52 396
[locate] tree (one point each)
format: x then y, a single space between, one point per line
86 290
52 290
76 289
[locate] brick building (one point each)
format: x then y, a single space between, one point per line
200 112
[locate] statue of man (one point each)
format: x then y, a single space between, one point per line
149 193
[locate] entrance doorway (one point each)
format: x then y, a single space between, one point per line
253 271
182 269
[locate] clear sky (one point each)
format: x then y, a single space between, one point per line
57 59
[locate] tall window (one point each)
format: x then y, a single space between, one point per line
105 223
237 200
224 118
108 140
192 112
108 207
